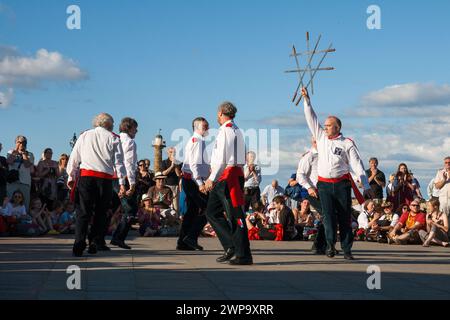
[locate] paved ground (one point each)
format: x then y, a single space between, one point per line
35 268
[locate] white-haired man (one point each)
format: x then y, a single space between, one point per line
442 184
96 156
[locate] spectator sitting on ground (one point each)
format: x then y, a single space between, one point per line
149 219
67 219
386 222
42 217
259 227
367 219
285 217
408 227
304 219
437 226
160 201
55 214
14 211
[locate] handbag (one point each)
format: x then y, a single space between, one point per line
13 175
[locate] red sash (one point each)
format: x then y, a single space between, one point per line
231 175
96 174
187 176
346 176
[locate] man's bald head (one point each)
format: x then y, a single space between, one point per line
333 126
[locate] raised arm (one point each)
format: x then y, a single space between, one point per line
311 117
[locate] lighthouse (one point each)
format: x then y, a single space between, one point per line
158 145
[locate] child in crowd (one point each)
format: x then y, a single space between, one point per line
149 218
67 219
42 217
55 214
14 211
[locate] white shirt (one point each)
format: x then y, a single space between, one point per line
432 190
10 211
196 160
251 181
307 169
337 156
24 172
363 219
98 150
444 192
270 192
395 218
130 156
229 150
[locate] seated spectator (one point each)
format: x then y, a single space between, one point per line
437 226
285 217
55 214
14 211
259 227
367 219
386 222
305 220
149 218
408 227
67 219
42 217
161 200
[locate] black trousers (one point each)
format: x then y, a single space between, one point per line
94 200
251 195
320 243
232 229
195 219
336 206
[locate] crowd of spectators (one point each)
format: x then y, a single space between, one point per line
36 201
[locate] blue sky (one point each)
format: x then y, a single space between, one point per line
166 62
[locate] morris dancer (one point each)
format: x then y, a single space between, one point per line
96 155
336 157
226 184
195 172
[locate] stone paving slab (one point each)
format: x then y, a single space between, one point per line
35 268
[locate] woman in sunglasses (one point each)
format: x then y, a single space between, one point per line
437 226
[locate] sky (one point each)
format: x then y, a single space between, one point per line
167 62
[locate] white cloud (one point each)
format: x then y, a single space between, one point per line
404 100
6 98
18 71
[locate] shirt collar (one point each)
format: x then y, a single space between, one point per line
229 121
335 137
198 136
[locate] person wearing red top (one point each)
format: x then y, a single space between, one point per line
408 227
